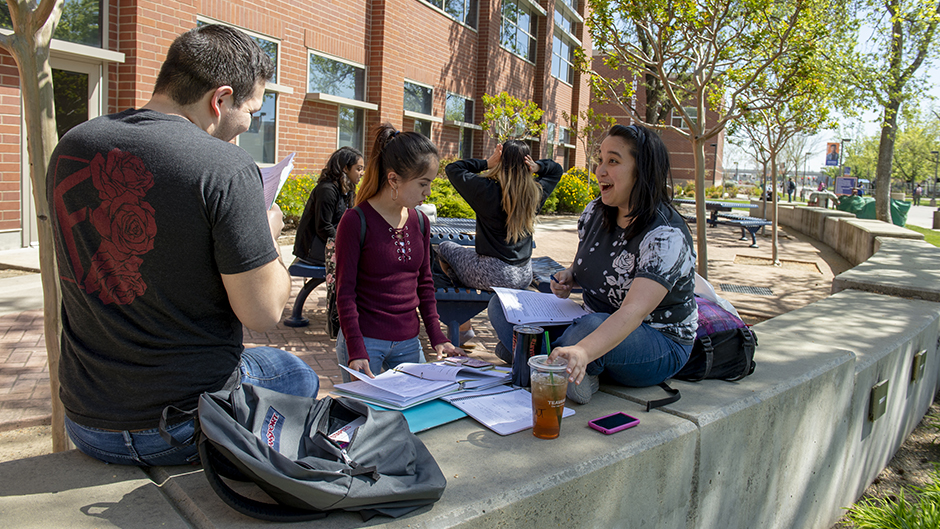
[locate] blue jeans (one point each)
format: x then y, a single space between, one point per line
261 366
644 358
382 353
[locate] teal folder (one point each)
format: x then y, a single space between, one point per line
428 415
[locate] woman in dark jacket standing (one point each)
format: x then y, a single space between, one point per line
333 194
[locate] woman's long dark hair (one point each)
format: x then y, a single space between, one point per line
409 154
520 192
653 184
335 170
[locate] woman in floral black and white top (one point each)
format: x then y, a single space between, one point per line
636 265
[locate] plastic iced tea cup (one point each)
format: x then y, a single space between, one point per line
548 381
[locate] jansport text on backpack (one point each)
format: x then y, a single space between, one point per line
724 346
290 448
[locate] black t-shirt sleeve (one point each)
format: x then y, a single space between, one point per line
240 232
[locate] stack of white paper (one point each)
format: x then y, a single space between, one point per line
411 384
537 308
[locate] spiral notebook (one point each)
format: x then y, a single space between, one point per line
503 409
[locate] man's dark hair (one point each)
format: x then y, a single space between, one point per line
210 56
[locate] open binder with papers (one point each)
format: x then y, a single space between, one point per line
411 384
537 308
505 410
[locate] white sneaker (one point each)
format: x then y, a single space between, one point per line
466 336
581 393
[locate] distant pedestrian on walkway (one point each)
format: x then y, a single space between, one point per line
791 189
165 250
918 191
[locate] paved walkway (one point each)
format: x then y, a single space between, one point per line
741 274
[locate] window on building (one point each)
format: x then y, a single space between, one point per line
550 141
80 22
260 139
423 127
458 111
458 108
461 10
518 28
418 98
337 78
677 120
351 128
564 41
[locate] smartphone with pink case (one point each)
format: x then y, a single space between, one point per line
613 423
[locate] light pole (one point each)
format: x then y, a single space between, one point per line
841 149
715 165
736 171
936 160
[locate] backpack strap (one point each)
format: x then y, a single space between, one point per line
750 343
673 397
362 225
247 506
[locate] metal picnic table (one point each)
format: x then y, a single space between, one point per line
716 207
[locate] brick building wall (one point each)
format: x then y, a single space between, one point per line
395 40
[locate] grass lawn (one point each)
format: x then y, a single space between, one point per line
931 236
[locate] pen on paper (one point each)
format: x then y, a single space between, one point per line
552 277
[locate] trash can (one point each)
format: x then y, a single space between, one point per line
936 220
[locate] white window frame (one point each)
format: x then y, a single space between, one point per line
324 97
269 86
457 122
535 10
677 117
476 15
362 135
420 116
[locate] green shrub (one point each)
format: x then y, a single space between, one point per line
900 512
713 192
294 195
448 201
573 191
689 188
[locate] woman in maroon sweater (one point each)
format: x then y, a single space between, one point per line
382 278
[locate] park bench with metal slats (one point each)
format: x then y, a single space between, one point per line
751 224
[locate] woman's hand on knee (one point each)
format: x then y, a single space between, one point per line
577 359
362 366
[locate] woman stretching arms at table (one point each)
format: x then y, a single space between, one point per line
636 266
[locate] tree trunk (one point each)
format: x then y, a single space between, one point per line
698 153
31 52
773 225
885 154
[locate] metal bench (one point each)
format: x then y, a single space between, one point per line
751 224
542 270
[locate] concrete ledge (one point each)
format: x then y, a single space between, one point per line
854 239
70 489
641 477
900 267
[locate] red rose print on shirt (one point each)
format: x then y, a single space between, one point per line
115 276
120 173
126 224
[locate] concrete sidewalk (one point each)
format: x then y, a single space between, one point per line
741 274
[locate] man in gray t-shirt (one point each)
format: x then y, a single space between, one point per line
165 250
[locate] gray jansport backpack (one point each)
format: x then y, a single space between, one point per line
281 443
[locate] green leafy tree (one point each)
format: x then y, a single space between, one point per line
589 126
508 118
716 56
34 23
889 72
